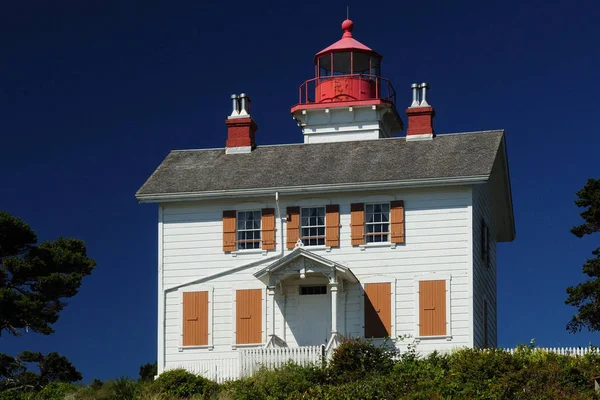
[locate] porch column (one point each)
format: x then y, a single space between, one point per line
333 287
271 294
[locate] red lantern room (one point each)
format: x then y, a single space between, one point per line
347 74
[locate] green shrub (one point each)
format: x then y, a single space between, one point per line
180 383
276 384
122 389
56 391
356 358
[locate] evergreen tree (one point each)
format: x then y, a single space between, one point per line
586 296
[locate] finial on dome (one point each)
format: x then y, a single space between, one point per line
347 27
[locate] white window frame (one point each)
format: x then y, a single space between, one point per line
324 226
196 288
237 231
263 291
433 277
393 307
389 222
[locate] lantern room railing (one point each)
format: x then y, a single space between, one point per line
351 87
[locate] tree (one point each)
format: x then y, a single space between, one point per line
14 375
586 296
35 278
148 372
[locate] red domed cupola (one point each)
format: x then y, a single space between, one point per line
347 74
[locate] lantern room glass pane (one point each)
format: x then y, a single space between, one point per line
341 63
361 63
375 66
325 65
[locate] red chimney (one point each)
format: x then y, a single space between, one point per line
420 115
241 128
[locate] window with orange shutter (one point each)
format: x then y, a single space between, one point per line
378 310
432 308
357 223
268 229
248 309
195 319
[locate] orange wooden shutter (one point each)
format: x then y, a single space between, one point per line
268 229
293 226
332 227
357 223
229 222
195 318
248 311
432 304
397 221
378 310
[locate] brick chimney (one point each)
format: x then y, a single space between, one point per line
241 128
420 114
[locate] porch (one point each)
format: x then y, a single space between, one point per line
306 300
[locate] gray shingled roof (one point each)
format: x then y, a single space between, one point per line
283 166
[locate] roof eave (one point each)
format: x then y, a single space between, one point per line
337 187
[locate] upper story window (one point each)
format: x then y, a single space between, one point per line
248 230
377 222
312 226
485 243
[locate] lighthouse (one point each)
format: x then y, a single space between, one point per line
348 99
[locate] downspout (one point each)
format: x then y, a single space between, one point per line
161 368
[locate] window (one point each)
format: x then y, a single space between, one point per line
313 290
377 222
248 230
433 299
312 223
485 244
248 311
378 310
195 319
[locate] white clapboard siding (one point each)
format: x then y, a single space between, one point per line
438 240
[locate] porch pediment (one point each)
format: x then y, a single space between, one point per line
300 263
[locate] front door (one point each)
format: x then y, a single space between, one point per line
315 311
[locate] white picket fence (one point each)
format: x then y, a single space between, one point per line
564 351
251 360
218 370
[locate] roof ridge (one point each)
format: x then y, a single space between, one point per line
368 140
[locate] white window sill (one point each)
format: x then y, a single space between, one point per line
447 337
365 246
235 346
207 347
249 251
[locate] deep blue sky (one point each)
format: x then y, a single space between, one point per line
93 95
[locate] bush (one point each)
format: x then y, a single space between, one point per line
278 383
356 358
180 383
56 391
122 389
